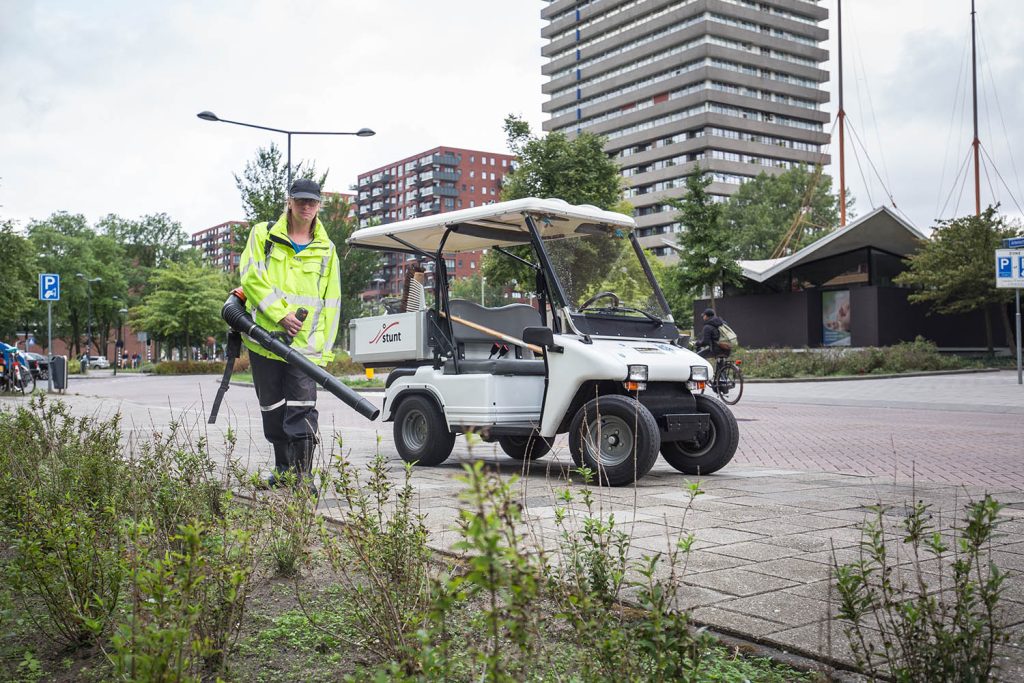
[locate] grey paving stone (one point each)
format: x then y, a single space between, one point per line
793 569
739 582
753 551
742 625
795 610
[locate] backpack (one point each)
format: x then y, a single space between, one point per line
727 338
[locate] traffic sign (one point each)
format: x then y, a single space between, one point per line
1013 242
49 287
1010 268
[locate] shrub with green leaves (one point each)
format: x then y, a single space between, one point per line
940 619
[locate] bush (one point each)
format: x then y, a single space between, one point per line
197 367
912 625
917 356
344 365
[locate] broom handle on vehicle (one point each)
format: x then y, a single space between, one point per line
504 337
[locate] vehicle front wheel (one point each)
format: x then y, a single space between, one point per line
712 452
531 447
421 433
616 437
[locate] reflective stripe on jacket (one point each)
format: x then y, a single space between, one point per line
281 282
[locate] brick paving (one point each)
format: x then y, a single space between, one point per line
812 457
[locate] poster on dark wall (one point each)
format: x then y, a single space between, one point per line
835 318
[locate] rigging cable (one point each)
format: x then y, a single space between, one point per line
949 153
999 110
999 175
961 169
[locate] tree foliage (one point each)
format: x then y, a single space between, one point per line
953 272
65 244
17 286
183 306
358 266
762 211
469 288
705 245
554 166
263 185
150 241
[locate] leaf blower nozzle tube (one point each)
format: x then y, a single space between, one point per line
237 318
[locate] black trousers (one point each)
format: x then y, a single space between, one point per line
288 406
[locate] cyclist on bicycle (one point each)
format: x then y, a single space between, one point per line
709 345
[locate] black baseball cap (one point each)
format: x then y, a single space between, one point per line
709 313
303 188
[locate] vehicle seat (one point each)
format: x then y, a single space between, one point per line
510 320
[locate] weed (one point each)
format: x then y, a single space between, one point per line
917 628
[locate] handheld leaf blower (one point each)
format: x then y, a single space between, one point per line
241 322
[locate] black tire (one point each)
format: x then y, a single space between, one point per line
531 447
629 439
729 384
421 433
714 451
24 381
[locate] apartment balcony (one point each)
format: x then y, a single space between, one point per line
446 159
445 191
451 176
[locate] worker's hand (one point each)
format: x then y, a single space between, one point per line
291 324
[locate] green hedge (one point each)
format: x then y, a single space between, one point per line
197 367
916 356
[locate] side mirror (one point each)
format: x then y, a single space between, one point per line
682 341
542 337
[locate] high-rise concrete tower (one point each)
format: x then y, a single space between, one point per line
734 85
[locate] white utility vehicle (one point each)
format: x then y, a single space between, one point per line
595 354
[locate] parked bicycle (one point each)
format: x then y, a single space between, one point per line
727 382
14 374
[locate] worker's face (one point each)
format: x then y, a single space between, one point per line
304 208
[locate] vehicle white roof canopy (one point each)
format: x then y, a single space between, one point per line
502 224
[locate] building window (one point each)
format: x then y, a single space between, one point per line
472 204
472 265
472 174
472 159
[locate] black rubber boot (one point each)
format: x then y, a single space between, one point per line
282 464
302 456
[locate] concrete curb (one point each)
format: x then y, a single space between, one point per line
845 378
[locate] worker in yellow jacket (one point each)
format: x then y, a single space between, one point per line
287 266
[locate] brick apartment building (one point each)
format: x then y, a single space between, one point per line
435 181
733 85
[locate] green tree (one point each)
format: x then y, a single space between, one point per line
18 284
764 210
953 271
263 188
65 244
555 166
469 288
706 259
183 306
150 241
358 266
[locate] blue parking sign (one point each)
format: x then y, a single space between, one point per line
1004 266
49 287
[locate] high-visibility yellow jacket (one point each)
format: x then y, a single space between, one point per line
277 281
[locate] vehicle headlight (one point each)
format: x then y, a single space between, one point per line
699 373
637 373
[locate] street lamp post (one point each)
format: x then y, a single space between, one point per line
88 298
362 132
119 346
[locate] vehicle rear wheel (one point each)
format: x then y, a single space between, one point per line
729 384
24 381
421 433
714 450
531 447
616 437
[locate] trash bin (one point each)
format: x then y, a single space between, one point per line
59 372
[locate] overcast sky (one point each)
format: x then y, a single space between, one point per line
98 100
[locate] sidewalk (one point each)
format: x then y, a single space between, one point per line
765 534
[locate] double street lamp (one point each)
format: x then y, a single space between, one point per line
88 297
362 132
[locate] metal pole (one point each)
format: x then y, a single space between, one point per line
289 162
88 343
842 127
482 281
49 346
1020 374
976 143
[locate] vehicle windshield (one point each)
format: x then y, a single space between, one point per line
602 274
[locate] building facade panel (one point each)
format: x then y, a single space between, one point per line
736 86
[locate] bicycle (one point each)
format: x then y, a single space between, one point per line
14 375
727 382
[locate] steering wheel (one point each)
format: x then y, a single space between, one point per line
600 295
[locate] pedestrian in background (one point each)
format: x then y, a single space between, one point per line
287 265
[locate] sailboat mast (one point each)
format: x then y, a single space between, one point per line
842 124
976 144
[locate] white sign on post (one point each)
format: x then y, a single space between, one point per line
1010 268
